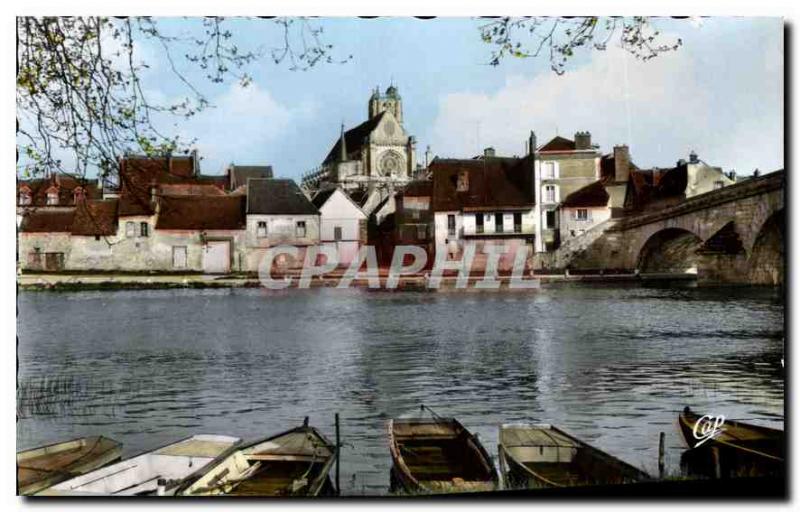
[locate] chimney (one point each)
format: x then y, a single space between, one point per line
693 158
756 173
428 156
532 143
583 140
342 147
732 175
622 163
195 162
488 152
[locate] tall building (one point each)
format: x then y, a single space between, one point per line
376 154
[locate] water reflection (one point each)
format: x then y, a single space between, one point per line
613 365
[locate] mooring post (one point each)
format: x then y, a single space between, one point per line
717 464
338 456
661 455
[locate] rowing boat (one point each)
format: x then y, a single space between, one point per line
43 467
737 450
540 456
159 471
432 454
292 463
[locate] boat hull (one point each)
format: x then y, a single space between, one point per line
438 456
543 456
741 450
43 467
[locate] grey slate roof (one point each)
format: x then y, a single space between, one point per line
277 197
322 196
239 173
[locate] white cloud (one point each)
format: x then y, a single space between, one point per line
242 121
725 102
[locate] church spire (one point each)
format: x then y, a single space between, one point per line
342 147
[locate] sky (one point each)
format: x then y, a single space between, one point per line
720 94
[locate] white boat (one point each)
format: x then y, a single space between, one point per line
292 463
156 472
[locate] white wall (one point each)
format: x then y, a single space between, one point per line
340 211
569 223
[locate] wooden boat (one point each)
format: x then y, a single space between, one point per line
292 463
539 456
741 449
43 467
431 454
156 472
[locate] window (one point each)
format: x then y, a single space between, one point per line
337 233
261 229
300 229
96 238
179 256
52 197
581 214
422 231
143 227
24 198
550 193
550 219
479 223
517 222
35 259
718 185
498 222
130 229
462 185
451 225
549 171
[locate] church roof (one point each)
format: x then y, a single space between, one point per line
354 138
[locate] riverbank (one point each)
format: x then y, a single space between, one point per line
132 281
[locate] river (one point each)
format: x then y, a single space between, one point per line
612 364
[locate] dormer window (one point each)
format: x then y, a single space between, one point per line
52 196
25 196
462 185
79 194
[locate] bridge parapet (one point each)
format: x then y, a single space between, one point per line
755 186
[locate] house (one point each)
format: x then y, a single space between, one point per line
562 167
200 234
487 201
343 226
413 215
279 213
664 187
584 209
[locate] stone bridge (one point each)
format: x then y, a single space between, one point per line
731 235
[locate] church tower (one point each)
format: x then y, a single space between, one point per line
390 101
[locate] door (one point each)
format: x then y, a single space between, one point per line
217 257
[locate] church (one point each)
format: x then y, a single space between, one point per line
378 155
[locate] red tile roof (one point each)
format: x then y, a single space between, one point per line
418 188
66 186
201 212
559 144
591 195
95 218
47 220
189 189
492 183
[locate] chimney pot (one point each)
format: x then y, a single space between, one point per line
583 140
487 152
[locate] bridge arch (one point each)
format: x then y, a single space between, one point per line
766 261
670 250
